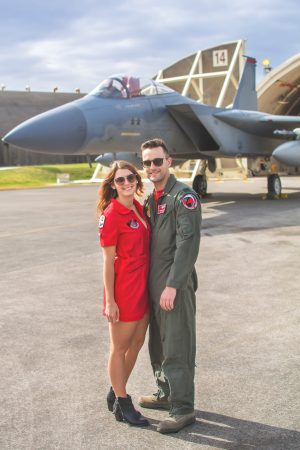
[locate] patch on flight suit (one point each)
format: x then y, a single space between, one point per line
133 224
101 221
161 209
148 211
189 201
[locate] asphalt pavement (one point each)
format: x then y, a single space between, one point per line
54 340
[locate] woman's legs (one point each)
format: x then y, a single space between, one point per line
126 340
136 345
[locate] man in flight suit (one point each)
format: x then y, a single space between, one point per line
174 212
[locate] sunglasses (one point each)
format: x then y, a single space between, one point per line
156 161
121 180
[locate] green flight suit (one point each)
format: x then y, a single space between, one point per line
175 223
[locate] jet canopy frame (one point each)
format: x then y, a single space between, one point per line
124 86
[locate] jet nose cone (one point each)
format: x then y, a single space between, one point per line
61 130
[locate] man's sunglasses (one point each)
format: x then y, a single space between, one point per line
121 180
156 161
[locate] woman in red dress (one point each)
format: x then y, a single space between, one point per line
125 238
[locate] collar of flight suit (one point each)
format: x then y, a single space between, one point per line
170 184
155 219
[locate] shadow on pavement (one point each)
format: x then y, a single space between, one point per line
219 431
238 213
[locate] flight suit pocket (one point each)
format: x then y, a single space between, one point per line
185 227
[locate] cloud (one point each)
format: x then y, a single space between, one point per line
57 44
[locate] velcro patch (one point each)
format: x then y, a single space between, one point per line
161 209
189 201
133 224
101 221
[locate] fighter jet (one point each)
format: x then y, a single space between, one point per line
124 111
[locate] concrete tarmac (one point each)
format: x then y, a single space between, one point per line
54 340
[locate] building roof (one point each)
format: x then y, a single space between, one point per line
279 91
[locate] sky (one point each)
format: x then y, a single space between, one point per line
76 44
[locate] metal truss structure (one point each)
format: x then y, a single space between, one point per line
208 76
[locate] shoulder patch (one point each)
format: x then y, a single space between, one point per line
101 221
189 201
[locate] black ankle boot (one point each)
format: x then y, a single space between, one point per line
124 411
110 398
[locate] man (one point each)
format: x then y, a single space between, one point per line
175 215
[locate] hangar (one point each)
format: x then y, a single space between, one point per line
214 79
279 91
210 76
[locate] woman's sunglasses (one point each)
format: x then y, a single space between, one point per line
121 180
156 161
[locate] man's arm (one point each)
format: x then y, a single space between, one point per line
188 224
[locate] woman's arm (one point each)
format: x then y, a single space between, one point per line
111 308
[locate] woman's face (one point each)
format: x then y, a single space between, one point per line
125 183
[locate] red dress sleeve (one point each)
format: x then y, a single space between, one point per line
108 229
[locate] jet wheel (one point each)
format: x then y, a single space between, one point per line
200 185
274 184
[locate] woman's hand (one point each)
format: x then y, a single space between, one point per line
112 312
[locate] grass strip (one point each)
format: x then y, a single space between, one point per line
41 176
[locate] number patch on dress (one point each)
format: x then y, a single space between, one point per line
101 221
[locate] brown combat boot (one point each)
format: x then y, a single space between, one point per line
175 423
154 402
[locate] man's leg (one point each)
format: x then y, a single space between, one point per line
156 356
160 399
179 349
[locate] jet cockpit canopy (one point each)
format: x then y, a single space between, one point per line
126 86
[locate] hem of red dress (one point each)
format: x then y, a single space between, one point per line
136 319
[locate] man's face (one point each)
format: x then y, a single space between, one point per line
157 174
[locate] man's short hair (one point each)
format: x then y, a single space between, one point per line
154 143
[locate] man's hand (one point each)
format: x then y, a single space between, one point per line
167 298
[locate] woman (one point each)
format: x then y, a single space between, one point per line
124 237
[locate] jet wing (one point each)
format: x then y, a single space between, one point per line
260 124
191 125
287 121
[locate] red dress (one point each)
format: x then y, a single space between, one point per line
121 227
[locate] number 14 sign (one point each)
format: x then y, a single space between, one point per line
220 58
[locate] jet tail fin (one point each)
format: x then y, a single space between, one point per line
246 96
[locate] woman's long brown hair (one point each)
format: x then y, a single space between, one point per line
106 192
